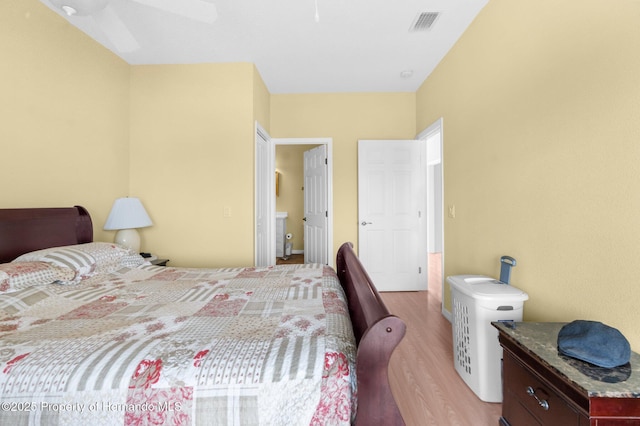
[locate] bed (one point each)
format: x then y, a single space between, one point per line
92 333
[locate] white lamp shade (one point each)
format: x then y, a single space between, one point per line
127 213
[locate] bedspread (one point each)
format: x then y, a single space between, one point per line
172 346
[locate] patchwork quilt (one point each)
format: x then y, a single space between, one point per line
179 346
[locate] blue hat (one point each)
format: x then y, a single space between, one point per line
595 343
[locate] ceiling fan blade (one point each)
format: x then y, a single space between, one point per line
115 30
198 10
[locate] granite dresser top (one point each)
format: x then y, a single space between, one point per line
541 340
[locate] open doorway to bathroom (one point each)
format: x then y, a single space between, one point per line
306 239
290 199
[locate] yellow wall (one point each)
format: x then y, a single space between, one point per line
65 118
192 157
541 107
346 118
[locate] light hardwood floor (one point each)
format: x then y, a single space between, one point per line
423 379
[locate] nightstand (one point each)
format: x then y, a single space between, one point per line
159 262
154 260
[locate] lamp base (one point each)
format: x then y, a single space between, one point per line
129 238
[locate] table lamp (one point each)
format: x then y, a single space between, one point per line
126 215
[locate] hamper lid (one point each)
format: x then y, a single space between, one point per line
497 291
486 288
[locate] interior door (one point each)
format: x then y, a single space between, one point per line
315 205
265 252
392 236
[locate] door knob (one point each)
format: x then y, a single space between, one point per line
366 223
304 219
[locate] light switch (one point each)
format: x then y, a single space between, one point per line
452 211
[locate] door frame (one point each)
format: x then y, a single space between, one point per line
329 144
271 200
438 126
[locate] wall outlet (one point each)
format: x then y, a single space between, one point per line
227 211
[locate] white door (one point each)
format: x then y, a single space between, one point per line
316 211
265 252
391 224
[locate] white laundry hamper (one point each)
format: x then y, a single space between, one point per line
476 301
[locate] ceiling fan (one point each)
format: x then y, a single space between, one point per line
115 29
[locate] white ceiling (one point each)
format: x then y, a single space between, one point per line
356 45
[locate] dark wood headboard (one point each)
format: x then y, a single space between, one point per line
25 230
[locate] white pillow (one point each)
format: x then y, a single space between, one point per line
17 276
86 260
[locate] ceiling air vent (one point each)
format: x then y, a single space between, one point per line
424 21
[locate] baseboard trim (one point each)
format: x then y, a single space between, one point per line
447 314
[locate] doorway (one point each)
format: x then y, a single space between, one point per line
265 201
433 138
290 199
296 147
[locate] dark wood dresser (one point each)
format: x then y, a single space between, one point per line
540 387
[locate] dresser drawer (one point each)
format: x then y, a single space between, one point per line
523 390
515 413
